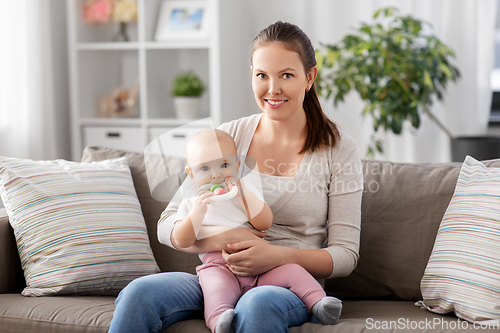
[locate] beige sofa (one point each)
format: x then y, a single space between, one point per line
402 207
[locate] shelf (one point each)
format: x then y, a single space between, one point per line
177 45
111 121
169 122
174 45
107 46
100 68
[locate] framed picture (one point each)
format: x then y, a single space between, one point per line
183 20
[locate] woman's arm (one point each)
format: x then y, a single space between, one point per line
256 257
344 209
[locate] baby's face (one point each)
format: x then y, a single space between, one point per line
212 164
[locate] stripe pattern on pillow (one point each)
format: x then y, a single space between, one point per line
463 272
79 226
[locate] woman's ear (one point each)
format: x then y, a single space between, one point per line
311 76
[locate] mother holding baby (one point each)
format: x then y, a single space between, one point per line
312 181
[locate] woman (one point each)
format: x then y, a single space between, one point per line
312 180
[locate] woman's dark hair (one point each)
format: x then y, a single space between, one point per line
321 130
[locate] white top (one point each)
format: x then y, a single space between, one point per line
221 215
321 208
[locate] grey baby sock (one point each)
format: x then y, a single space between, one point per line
327 310
224 322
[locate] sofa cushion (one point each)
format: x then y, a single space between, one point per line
369 316
463 273
168 259
75 314
402 207
78 226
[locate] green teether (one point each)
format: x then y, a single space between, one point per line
214 187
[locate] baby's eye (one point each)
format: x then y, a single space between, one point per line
261 76
224 165
287 75
205 168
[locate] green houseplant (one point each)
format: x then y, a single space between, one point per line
187 89
394 66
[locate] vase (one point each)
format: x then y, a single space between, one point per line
121 34
187 107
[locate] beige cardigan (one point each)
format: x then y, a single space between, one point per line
321 207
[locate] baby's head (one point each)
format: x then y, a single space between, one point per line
211 157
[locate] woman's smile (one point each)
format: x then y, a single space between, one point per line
275 103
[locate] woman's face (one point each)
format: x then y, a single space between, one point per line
279 81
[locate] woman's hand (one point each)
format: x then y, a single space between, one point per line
252 257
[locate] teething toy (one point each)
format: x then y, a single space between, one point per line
214 187
220 194
219 191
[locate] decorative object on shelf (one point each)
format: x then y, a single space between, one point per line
120 103
125 11
395 68
183 20
97 11
187 90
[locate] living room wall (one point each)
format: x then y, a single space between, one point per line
44 134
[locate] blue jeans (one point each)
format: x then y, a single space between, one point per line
154 302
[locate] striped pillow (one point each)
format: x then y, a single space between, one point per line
78 226
463 272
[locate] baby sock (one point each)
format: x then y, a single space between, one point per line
224 322
327 310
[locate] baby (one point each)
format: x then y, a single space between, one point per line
212 160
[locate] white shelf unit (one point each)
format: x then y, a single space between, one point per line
98 66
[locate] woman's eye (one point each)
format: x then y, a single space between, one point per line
224 165
205 168
261 76
287 76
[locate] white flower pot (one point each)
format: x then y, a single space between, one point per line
187 107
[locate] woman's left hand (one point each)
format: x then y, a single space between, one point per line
252 257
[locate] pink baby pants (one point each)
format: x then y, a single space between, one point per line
222 289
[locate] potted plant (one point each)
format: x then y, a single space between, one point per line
187 90
395 68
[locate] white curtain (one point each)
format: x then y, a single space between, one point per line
467 26
33 80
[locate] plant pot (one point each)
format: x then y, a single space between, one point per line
187 107
479 147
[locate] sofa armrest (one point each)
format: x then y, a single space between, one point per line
11 273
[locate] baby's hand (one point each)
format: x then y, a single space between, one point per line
232 181
200 203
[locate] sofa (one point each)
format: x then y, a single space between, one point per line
402 207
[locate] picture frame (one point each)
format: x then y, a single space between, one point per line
183 20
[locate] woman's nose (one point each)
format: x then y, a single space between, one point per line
274 87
